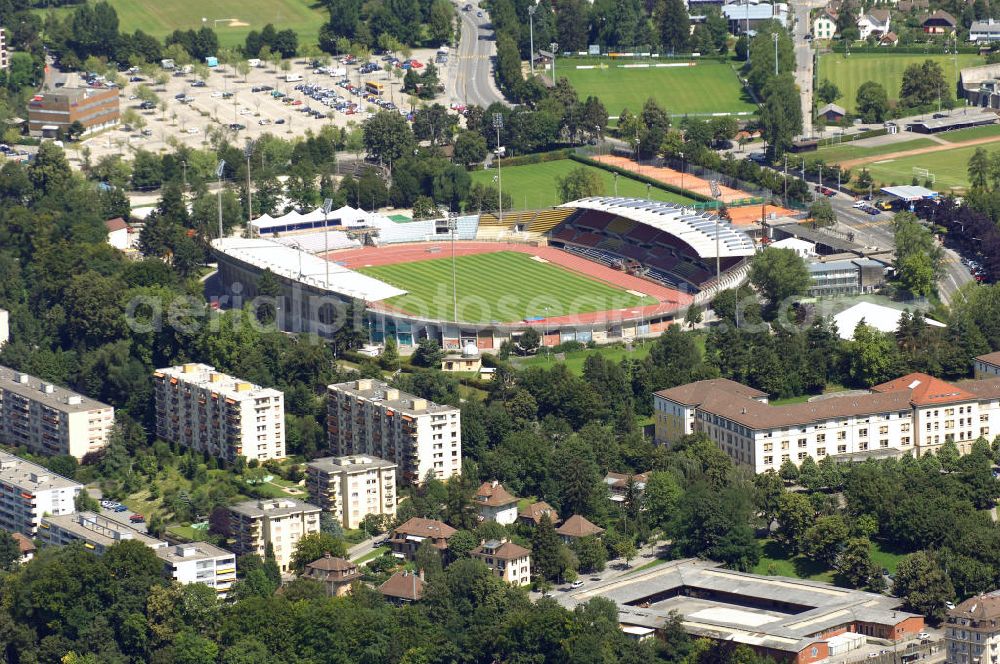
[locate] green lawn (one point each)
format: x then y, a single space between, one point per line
372 555
501 286
161 18
970 134
843 151
949 168
535 186
575 359
849 73
776 561
707 87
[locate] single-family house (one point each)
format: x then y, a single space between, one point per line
825 25
576 527
939 23
336 574
25 545
403 587
911 6
533 513
874 22
407 537
495 503
889 39
984 31
117 233
617 484
509 561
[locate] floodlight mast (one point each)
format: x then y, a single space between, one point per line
219 170
498 125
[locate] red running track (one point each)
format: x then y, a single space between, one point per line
670 300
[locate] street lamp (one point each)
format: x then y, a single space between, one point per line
683 168
775 35
531 32
553 46
248 151
219 170
498 125
327 206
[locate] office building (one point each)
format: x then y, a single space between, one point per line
352 487
789 620
29 491
209 411
98 533
912 415
200 562
279 522
509 561
52 112
419 436
972 630
50 420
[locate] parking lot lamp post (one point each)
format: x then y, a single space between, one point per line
327 206
218 173
554 46
498 125
248 151
531 36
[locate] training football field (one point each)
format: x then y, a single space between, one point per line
709 86
949 167
502 286
850 73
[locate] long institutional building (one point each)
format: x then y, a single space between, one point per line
914 415
50 420
419 436
209 411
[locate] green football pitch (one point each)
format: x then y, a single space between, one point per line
949 167
503 286
709 86
849 73
231 19
535 186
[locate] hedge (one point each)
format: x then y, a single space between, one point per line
914 49
640 178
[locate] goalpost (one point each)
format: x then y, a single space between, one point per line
923 174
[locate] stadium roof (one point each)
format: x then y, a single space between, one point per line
344 216
697 229
305 268
884 319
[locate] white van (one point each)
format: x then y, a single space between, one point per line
254 62
291 78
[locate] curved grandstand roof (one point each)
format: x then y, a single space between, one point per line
305 268
697 229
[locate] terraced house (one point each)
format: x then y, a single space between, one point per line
914 415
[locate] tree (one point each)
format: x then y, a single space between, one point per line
923 84
10 552
387 136
662 494
779 274
590 553
824 540
461 543
314 546
529 340
923 584
546 552
625 548
781 112
470 148
428 354
916 275
855 567
715 524
822 213
581 182
827 91
979 168
873 356
388 359
795 515
673 23
872 102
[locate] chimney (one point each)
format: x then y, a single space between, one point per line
494 483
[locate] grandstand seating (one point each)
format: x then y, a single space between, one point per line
621 225
314 243
467 227
546 220
523 217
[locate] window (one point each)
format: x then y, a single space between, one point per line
841 449
883 443
883 430
803 455
821 451
841 435
768 447
904 427
784 444
863 433
863 446
905 440
802 442
784 457
821 438
768 460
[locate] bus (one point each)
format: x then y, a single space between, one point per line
374 87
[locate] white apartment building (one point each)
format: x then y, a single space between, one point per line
4 327
972 630
209 411
29 491
507 560
50 420
913 415
200 562
280 522
369 417
98 533
352 487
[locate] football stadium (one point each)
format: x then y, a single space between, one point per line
600 269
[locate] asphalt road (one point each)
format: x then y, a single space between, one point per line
804 60
473 82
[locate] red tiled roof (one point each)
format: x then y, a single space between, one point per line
505 551
115 224
420 527
990 358
925 390
24 543
535 511
577 526
494 495
693 393
404 585
330 563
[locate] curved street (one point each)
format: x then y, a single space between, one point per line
473 81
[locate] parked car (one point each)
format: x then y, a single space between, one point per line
576 584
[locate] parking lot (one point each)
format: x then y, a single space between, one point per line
268 100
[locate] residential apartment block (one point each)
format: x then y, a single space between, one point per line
972 630
50 420
369 417
507 560
280 522
98 533
29 491
352 487
209 411
200 562
913 415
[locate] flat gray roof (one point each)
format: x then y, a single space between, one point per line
197 551
272 507
354 463
770 611
98 529
403 402
31 477
59 398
